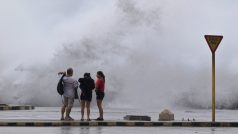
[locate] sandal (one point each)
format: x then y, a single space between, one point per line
69 119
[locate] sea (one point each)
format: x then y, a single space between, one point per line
117 114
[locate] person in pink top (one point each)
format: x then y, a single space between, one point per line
100 87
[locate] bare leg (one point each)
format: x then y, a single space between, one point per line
62 112
63 108
99 104
82 109
68 109
88 109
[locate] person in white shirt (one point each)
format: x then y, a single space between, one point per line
69 93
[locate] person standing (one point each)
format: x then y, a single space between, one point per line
100 87
70 85
87 84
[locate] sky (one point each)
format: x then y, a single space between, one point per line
152 49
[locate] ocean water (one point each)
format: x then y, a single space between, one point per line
53 113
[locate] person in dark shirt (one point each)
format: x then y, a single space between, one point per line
87 84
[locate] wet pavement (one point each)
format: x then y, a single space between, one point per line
53 114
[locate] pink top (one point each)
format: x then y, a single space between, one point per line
100 85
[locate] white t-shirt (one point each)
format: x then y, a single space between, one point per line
69 85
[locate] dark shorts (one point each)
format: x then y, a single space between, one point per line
100 95
86 96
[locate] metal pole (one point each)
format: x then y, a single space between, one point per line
213 88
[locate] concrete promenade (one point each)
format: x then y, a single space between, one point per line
56 123
49 116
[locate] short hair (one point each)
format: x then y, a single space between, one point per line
86 74
70 71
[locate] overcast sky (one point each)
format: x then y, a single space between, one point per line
30 27
156 35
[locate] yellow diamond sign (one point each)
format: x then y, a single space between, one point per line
213 41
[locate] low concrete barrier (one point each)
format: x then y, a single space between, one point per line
49 123
137 118
16 107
